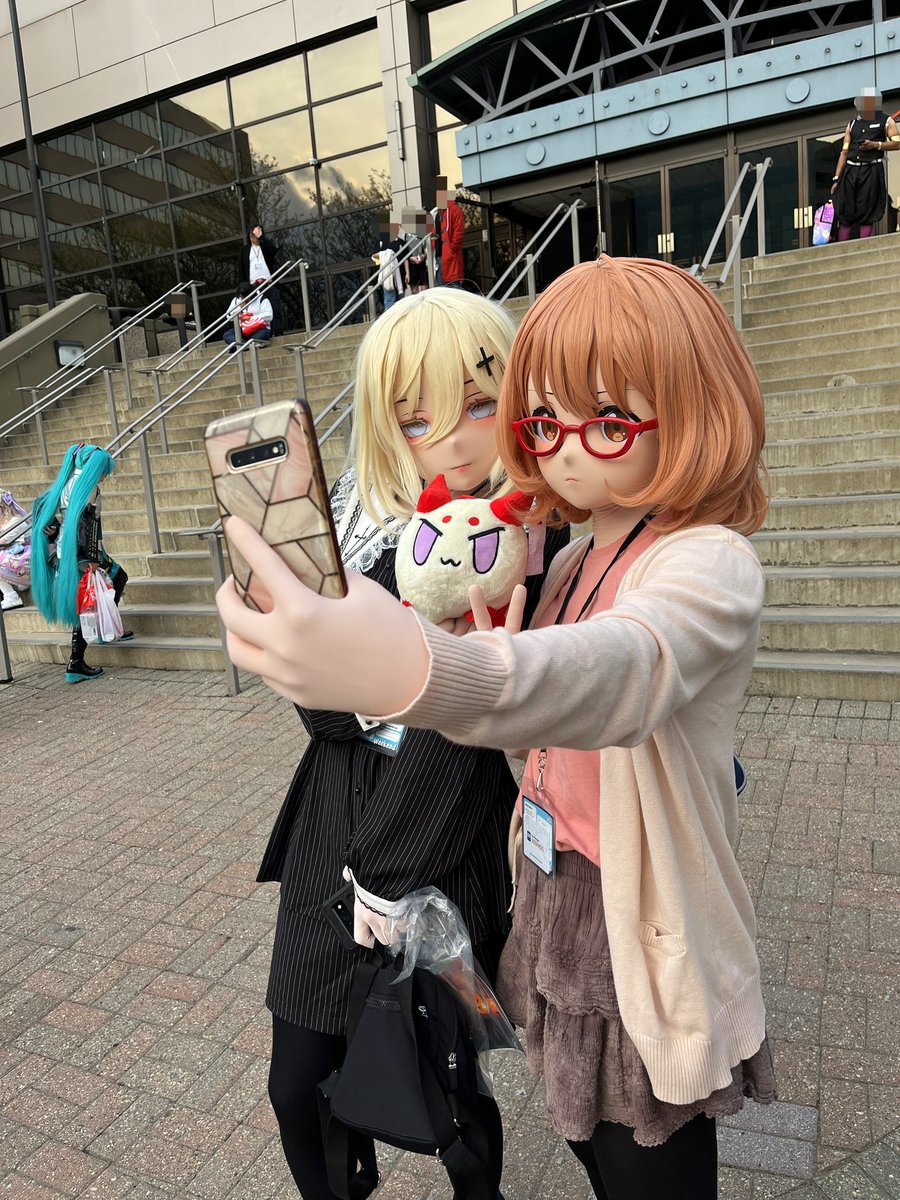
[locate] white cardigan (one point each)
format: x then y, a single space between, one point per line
655 683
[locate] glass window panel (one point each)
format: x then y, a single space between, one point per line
138 284
303 241
822 155
17 220
635 223
276 88
21 265
281 200
194 114
343 285
34 294
77 285
206 218
356 181
137 185
68 154
346 124
141 235
78 250
352 236
122 139
782 197
273 145
342 66
450 27
215 265
696 199
201 165
75 202
14 175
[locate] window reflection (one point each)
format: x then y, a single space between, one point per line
207 218
351 236
77 285
14 175
450 27
303 241
342 66
141 235
21 265
284 142
69 154
200 165
122 139
275 88
215 265
139 283
281 200
194 114
346 124
138 185
79 249
17 220
355 181
343 286
75 202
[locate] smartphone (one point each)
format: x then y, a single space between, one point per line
266 468
338 912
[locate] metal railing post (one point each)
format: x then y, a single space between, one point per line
760 211
576 237
301 372
6 674
304 292
149 498
123 355
737 315
254 371
157 395
232 678
529 261
195 305
370 305
111 401
238 339
39 423
429 261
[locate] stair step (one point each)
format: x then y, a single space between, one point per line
868 477
159 652
826 676
832 512
871 545
854 587
822 629
840 450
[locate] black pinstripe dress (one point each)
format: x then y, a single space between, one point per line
435 814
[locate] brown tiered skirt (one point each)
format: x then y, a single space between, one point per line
556 983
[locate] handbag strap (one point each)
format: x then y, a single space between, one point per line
350 1161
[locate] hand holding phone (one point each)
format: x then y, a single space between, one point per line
266 469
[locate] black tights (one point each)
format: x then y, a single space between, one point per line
684 1167
301 1059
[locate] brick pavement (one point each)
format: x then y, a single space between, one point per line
134 948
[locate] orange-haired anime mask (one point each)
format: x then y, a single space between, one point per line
449 545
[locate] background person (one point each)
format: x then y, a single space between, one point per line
450 228
257 262
256 311
859 186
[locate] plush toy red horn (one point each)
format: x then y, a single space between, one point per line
511 509
436 494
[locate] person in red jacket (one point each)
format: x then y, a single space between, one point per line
450 235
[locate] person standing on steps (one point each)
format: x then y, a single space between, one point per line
257 262
859 186
67 539
450 228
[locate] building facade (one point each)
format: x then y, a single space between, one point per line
164 131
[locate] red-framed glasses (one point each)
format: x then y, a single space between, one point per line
604 437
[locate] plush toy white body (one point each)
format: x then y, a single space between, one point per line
449 545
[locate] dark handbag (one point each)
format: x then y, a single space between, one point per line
410 1078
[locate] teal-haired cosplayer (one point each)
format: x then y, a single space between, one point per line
55 576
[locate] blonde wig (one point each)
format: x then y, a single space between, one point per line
441 334
651 325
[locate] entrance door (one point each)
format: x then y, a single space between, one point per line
696 197
670 214
635 224
786 222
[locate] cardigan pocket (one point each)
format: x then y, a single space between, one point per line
658 937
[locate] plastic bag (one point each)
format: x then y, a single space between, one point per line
87 608
430 933
822 223
108 619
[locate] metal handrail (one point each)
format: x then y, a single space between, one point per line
699 269
756 200
570 213
524 250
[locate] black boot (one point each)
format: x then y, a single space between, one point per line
77 671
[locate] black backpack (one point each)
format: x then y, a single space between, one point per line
410 1078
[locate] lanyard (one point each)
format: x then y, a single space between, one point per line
626 542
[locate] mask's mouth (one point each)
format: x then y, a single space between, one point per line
450 562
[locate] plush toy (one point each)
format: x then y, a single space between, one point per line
449 545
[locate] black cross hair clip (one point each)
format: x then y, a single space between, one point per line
485 361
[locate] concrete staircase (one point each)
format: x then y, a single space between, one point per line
169 599
831 547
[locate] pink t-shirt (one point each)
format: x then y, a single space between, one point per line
571 779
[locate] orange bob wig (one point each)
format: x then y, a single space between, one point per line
651 325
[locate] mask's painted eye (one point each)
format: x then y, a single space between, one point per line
482 409
424 543
416 428
484 550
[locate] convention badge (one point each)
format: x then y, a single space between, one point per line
538 841
385 737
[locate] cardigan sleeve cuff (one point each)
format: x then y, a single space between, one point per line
376 904
466 679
